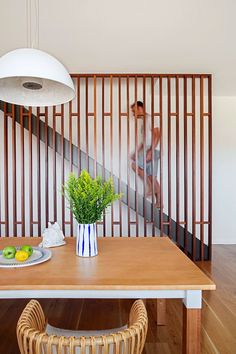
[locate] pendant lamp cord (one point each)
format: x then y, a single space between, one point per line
28 24
36 3
32 40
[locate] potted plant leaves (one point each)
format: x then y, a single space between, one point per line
88 198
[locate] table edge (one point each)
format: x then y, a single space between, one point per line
110 287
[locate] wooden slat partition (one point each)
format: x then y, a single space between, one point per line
71 164
210 167
152 115
98 131
38 171
31 196
161 155
169 127
14 170
128 153
6 195
193 170
144 155
103 146
111 147
177 163
136 156
22 173
202 167
119 142
46 167
185 167
54 165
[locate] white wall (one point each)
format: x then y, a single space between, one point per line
224 170
131 35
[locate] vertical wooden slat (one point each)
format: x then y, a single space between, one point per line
144 157
14 195
103 147
185 168
169 153
210 167
71 158
6 196
70 135
95 123
22 172
86 124
153 175
119 135
193 170
202 166
177 162
128 152
111 147
136 157
161 152
30 172
54 165
46 166
38 172
95 128
62 168
78 124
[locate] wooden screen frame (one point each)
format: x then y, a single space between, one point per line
167 225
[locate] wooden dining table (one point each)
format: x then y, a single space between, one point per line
142 267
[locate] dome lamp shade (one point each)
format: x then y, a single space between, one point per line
31 77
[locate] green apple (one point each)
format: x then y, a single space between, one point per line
27 249
9 252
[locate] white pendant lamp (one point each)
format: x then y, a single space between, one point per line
31 77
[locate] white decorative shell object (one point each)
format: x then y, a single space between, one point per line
52 236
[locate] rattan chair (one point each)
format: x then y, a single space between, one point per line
33 338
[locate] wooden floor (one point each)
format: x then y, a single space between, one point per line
218 315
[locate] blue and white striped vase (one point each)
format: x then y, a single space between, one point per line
86 240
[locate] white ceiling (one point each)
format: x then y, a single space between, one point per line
190 36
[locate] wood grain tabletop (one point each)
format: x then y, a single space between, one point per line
154 263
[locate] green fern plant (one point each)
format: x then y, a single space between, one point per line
88 197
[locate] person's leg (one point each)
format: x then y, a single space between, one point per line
140 171
133 165
137 166
149 183
149 178
157 193
156 190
